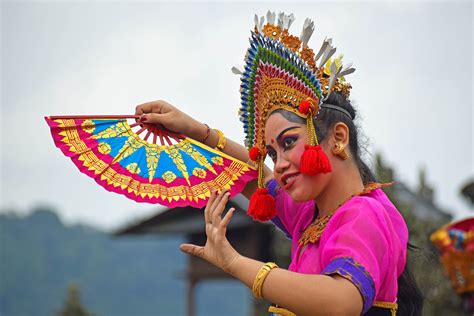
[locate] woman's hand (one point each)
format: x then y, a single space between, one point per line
217 250
161 112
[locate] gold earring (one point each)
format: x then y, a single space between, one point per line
340 151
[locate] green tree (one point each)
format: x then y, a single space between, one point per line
73 305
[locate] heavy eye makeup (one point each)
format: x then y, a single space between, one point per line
271 153
286 142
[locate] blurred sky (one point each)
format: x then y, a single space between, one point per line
412 87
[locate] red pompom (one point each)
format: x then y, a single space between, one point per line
314 161
254 153
305 105
262 205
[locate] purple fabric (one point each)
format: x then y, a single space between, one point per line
357 274
272 187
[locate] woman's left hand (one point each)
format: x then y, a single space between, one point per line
217 250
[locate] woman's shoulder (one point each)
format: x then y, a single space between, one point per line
374 203
373 208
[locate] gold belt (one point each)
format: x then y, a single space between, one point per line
284 312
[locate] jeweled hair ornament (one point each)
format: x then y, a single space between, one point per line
282 72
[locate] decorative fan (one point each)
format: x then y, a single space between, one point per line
177 172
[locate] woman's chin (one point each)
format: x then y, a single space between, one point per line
299 196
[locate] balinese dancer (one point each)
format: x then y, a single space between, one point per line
349 242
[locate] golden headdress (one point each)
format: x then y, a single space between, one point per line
282 72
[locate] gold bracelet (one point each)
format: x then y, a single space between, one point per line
280 311
260 278
222 141
208 132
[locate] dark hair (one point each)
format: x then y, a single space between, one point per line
326 120
410 299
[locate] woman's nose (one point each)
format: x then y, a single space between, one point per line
281 163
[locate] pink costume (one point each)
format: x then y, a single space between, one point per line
365 241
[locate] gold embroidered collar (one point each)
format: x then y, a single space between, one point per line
313 232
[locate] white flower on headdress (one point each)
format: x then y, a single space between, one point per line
308 29
285 20
271 17
259 23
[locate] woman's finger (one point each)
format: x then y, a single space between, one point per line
138 110
207 217
216 202
226 220
149 107
152 118
216 215
143 108
191 249
219 197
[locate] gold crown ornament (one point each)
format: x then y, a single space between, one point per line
282 72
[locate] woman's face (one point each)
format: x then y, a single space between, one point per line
285 141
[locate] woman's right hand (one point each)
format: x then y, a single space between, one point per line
217 250
161 112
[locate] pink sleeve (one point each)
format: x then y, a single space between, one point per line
361 235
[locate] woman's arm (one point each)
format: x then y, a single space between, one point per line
161 112
303 294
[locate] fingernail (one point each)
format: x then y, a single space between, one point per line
143 118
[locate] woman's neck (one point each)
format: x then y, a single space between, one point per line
344 183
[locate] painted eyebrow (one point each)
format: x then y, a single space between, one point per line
284 131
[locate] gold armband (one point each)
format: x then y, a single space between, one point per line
260 278
280 311
222 141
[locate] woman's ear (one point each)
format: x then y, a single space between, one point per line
340 134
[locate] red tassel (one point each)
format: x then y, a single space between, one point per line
254 153
262 205
304 107
314 161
